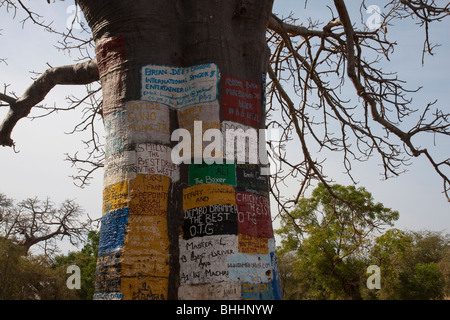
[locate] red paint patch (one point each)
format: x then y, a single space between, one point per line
241 101
111 57
254 215
110 54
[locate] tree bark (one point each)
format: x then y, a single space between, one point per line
188 230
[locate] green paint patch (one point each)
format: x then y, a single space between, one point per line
212 173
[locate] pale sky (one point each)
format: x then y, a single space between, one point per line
39 170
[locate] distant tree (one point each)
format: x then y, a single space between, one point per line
29 277
411 265
291 285
86 260
25 273
444 266
35 222
331 238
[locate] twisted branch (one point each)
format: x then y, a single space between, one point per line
80 73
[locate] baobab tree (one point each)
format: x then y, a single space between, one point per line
39 224
180 220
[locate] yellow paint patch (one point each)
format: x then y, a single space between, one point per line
146 248
207 113
149 195
253 245
144 288
207 194
115 196
255 287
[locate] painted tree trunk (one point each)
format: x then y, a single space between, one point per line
179 221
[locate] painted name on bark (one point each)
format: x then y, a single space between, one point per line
242 101
179 87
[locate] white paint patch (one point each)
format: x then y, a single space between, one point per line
227 290
146 159
156 159
180 87
241 142
204 259
147 122
253 268
120 166
138 122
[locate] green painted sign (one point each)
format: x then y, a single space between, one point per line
212 173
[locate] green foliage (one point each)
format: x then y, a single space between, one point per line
86 260
409 263
29 277
426 282
329 241
444 266
26 276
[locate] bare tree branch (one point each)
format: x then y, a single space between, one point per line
309 68
81 73
441 119
37 222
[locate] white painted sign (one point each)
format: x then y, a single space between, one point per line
116 138
253 268
148 158
204 259
156 159
179 87
240 142
138 122
147 122
120 166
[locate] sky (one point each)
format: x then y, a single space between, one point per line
416 194
39 169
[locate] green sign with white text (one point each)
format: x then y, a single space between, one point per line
212 173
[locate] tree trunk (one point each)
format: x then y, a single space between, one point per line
185 230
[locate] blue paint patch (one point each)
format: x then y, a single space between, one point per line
252 268
257 291
108 296
112 231
115 139
180 87
276 283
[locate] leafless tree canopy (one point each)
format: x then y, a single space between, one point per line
313 66
312 63
39 223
